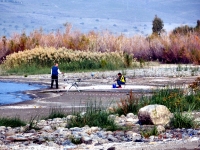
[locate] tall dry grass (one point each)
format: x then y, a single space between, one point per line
45 57
168 47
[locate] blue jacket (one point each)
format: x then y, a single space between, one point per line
54 71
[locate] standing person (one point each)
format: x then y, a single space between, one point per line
120 80
54 75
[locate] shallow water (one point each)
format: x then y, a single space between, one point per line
12 92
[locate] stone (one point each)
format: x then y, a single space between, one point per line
10 132
160 128
154 114
136 137
112 138
86 140
130 115
47 129
111 148
94 129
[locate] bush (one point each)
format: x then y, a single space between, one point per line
38 59
128 104
11 122
173 99
147 133
181 120
95 115
56 113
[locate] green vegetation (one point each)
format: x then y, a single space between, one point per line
39 60
90 47
94 115
129 104
32 124
11 122
181 120
157 25
147 133
56 113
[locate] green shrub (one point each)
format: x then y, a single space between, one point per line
129 104
95 115
32 124
173 99
128 60
56 113
11 122
148 133
181 120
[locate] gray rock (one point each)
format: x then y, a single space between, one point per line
154 114
47 129
112 138
86 139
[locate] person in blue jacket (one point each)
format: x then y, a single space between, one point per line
54 75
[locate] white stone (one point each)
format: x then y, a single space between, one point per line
160 128
130 115
154 114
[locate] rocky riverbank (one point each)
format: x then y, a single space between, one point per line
53 134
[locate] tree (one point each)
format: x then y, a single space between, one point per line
198 24
157 25
183 30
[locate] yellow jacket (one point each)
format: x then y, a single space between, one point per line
122 79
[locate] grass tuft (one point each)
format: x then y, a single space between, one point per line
56 113
11 122
94 115
181 120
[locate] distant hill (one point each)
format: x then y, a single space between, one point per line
128 17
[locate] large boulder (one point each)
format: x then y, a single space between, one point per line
154 114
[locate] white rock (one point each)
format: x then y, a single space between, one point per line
160 128
47 129
130 115
154 114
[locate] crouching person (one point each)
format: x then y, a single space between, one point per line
120 80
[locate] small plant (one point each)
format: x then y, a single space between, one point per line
12 122
148 133
95 115
194 71
25 75
171 98
186 68
179 68
32 124
56 113
128 60
128 104
142 63
76 140
181 120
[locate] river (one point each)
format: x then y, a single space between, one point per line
13 92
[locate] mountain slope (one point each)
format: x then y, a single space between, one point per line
118 16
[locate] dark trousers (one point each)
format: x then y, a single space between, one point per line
54 77
120 83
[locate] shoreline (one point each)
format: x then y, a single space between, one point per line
45 99
97 87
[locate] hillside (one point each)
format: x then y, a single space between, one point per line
118 16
